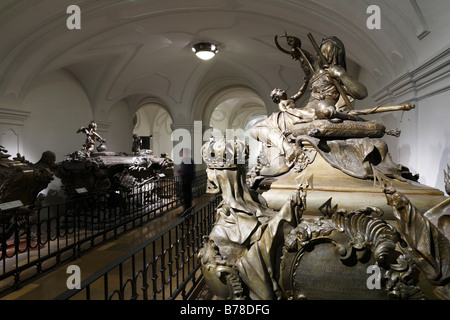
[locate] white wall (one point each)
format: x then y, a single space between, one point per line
162 133
119 136
50 115
433 142
58 107
424 144
11 129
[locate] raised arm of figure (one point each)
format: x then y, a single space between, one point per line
353 87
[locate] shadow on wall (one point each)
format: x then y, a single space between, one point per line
445 160
390 121
405 157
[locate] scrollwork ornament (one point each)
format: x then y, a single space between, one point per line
353 234
400 280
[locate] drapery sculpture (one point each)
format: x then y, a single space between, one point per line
239 253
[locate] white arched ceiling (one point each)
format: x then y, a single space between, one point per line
126 48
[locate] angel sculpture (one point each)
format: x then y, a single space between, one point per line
91 136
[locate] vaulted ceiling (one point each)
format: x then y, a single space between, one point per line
136 49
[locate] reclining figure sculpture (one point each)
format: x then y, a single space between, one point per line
327 114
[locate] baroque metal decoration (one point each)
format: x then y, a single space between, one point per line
20 184
326 204
99 171
354 237
22 180
108 171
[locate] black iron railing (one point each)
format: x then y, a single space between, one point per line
34 240
165 267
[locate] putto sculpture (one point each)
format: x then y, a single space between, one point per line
326 204
91 137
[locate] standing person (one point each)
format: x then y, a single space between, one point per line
187 173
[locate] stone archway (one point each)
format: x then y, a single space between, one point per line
152 121
234 111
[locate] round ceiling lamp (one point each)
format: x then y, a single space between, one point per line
205 50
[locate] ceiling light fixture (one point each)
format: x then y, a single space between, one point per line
205 50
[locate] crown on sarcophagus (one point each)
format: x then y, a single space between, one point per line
223 154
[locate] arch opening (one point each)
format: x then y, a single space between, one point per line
234 112
152 122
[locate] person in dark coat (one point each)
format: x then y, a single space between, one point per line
187 173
